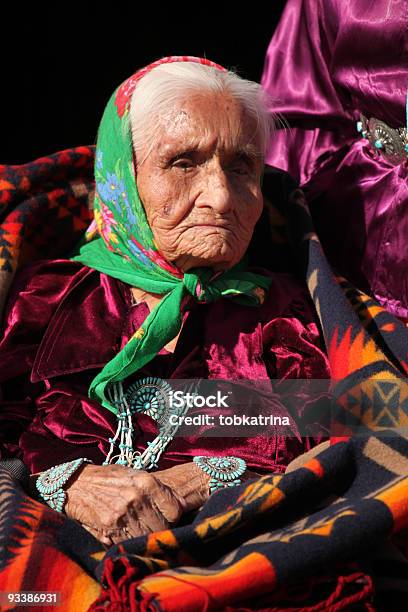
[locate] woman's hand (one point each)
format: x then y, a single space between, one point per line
115 503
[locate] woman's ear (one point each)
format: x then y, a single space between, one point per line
134 162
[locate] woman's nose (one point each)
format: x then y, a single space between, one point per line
216 191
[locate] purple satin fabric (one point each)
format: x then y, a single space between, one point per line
63 321
328 61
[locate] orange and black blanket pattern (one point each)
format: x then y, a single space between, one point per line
327 536
306 540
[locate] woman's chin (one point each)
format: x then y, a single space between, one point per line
211 252
217 262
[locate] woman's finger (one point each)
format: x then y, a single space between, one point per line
98 534
124 534
154 505
145 518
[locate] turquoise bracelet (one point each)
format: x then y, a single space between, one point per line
50 483
224 471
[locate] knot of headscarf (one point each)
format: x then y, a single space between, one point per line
120 243
191 282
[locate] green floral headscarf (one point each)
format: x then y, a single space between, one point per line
119 242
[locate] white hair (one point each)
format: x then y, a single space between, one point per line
161 88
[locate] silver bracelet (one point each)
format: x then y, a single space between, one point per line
50 483
224 471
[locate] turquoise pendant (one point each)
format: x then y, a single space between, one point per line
149 396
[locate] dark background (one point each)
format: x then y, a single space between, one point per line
60 64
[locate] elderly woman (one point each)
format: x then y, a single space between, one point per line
160 288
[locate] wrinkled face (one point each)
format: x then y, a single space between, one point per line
200 185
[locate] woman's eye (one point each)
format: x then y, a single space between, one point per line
241 165
240 168
183 164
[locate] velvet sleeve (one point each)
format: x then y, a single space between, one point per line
67 425
295 357
298 76
33 297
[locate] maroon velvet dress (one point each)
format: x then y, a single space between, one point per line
64 321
